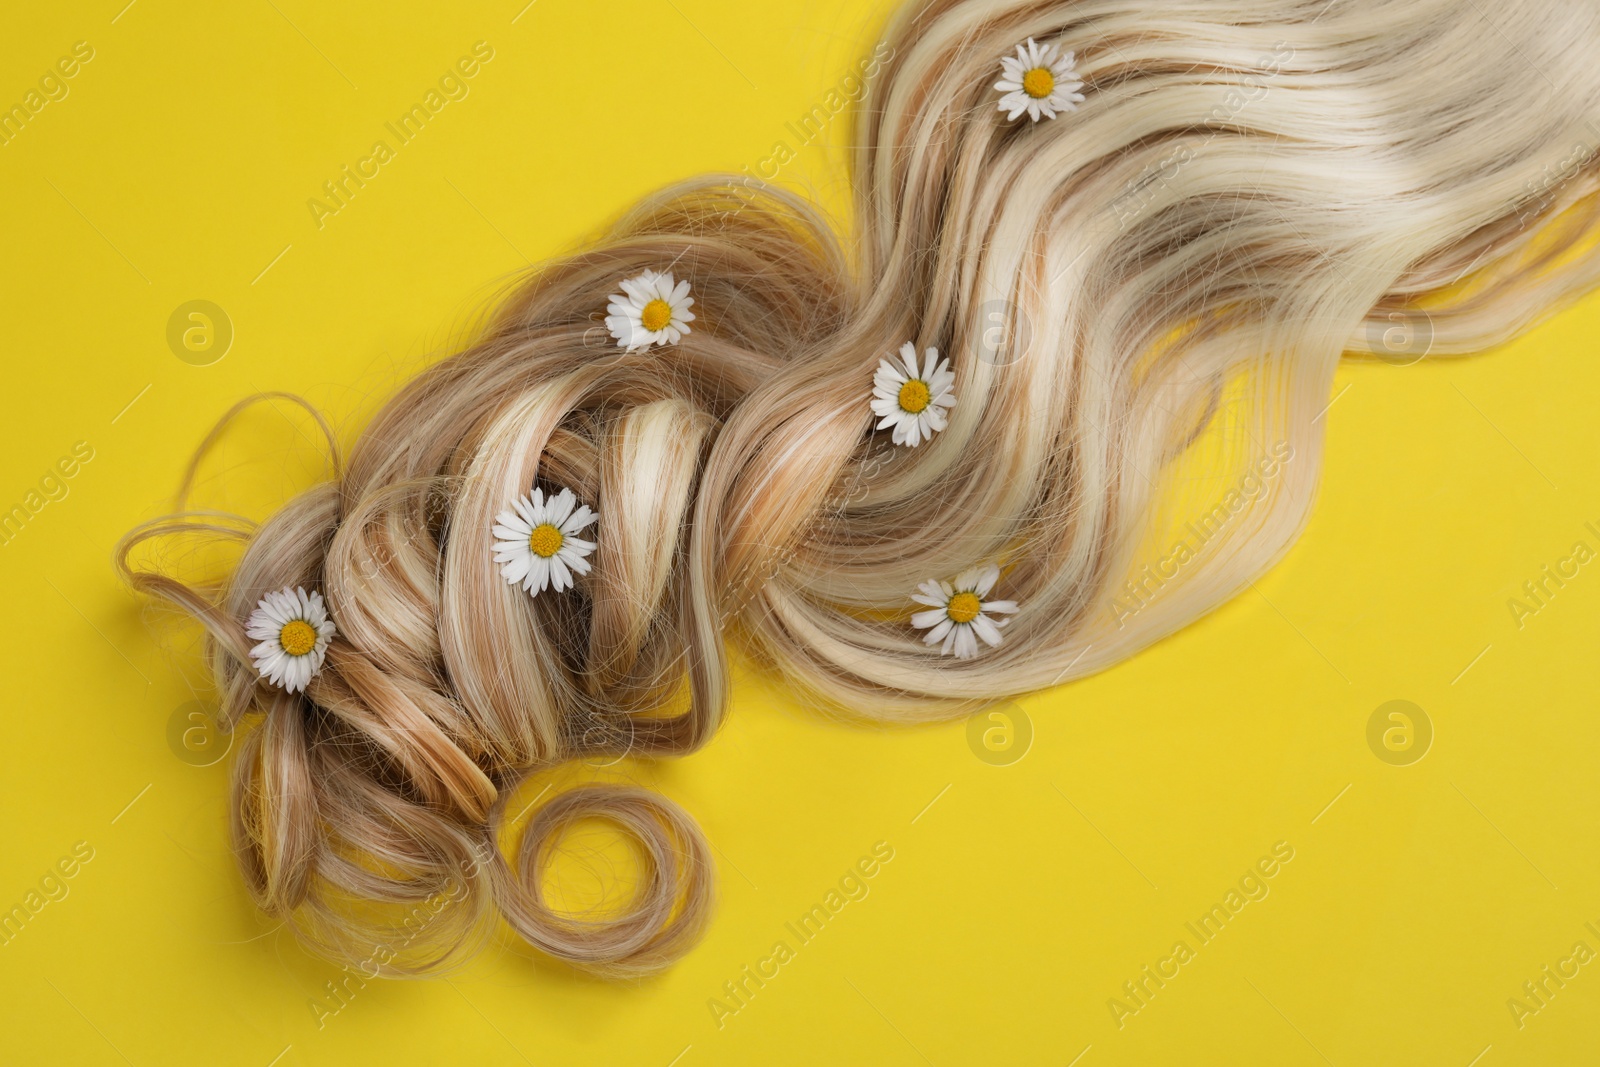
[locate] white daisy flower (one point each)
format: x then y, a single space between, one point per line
538 546
960 613
650 310
293 629
913 402
1039 82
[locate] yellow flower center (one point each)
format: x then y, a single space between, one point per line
914 396
545 540
963 607
297 637
1039 82
656 315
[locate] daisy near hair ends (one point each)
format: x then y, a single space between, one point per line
914 402
650 310
1241 193
294 630
538 546
1039 82
961 612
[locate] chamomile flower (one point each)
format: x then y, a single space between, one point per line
538 543
960 614
293 629
913 402
1039 82
651 310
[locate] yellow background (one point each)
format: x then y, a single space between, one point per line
1020 897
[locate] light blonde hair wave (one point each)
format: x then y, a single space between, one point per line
1251 189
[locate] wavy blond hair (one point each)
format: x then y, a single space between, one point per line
1144 301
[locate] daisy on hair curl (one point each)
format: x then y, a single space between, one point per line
915 402
652 309
960 615
1039 82
292 629
537 543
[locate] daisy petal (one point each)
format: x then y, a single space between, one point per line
547 568
292 631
